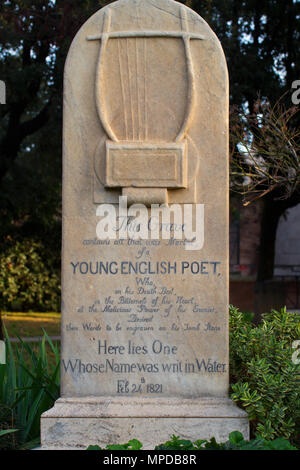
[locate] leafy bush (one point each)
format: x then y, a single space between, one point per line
29 385
236 442
265 380
133 444
28 278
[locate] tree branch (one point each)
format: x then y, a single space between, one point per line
34 124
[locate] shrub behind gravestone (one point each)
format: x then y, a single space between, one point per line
28 280
266 382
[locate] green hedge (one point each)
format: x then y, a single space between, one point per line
29 277
235 441
265 381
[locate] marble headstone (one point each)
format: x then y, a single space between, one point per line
144 316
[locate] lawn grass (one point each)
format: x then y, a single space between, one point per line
31 324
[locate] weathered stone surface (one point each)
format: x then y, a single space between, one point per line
146 196
145 165
144 321
87 421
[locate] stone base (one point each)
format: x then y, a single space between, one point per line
76 423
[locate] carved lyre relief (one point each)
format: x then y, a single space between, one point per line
146 111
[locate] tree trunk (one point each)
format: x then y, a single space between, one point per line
269 293
269 221
16 133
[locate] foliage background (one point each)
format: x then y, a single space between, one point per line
264 380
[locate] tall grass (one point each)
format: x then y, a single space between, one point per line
29 385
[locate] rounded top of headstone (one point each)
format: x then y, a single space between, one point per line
130 16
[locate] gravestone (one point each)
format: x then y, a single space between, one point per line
145 232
